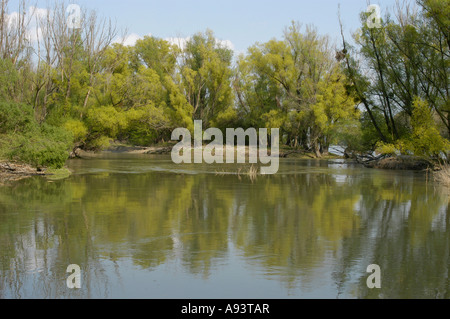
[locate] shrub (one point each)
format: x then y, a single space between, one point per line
425 140
387 149
78 130
47 147
99 143
106 120
24 140
16 117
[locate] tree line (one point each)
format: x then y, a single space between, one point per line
62 88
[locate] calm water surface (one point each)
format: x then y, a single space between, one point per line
142 227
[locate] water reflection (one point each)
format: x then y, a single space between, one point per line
309 231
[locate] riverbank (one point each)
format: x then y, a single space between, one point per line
390 163
10 171
13 171
166 149
401 163
442 176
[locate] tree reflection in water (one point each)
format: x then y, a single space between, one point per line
310 218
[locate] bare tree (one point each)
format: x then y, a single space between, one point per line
60 48
98 36
14 31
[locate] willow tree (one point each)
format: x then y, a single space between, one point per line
297 85
206 73
156 60
405 59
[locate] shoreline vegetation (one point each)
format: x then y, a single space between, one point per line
442 176
166 149
390 162
12 171
384 92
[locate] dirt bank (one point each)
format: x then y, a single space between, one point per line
79 153
284 153
401 163
10 171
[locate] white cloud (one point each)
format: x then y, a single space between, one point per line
34 34
12 19
31 20
130 39
227 44
38 12
180 42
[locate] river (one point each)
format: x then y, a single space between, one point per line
140 226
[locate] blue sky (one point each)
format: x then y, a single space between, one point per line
243 22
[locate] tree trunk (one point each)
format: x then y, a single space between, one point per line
448 121
324 149
289 140
317 150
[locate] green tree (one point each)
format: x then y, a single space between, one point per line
296 85
206 75
406 58
424 139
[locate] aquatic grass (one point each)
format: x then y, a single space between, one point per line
442 175
57 174
251 172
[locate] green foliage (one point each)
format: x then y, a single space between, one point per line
78 130
226 118
98 91
23 139
295 85
15 117
405 59
349 135
156 54
56 174
274 119
40 150
370 136
98 143
388 149
425 140
206 77
106 120
8 78
144 125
